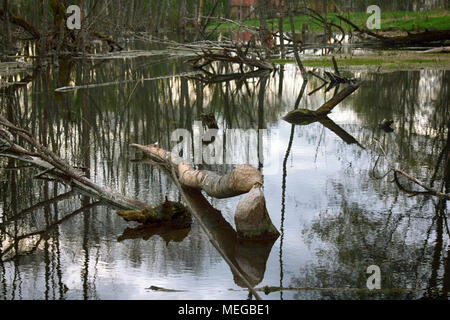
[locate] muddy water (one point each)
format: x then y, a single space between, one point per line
334 217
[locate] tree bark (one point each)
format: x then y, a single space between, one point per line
239 181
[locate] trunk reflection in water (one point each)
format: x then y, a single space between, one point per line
334 219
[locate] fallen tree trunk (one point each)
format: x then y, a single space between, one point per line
251 216
298 115
237 182
410 39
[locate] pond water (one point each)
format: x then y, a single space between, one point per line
335 218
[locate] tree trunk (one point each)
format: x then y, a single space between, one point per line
199 15
251 216
295 41
52 165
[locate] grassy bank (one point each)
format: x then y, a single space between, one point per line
405 21
383 60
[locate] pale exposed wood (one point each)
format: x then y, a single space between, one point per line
251 217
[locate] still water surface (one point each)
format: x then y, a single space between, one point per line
335 218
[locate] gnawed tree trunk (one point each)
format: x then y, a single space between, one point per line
251 217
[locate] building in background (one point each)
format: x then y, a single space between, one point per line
244 9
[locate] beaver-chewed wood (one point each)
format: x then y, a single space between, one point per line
252 219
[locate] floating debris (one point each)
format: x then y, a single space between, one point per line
105 84
155 288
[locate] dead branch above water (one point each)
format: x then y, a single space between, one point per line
251 216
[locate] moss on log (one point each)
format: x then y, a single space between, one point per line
166 212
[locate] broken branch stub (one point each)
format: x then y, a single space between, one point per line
252 219
299 115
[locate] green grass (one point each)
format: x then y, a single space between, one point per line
387 61
405 21
373 62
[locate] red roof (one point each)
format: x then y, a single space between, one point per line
242 2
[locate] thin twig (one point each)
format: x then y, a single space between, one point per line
397 171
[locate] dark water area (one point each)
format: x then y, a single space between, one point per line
335 218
